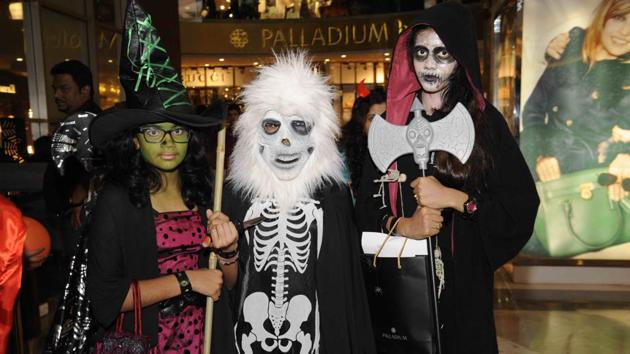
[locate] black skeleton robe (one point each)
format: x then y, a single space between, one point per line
472 248
316 299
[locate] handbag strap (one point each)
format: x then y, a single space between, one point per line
568 213
137 311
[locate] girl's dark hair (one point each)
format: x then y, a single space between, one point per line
450 169
125 167
353 137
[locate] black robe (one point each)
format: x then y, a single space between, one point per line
472 248
345 325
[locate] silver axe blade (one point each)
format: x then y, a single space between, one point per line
454 134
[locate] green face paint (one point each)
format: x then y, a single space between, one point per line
166 155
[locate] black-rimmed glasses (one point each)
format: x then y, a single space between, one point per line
156 135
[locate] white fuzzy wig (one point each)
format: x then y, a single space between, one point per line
290 86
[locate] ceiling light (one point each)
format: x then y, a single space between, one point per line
343 56
205 12
387 59
255 63
326 60
386 54
110 61
222 8
16 11
221 59
206 65
19 59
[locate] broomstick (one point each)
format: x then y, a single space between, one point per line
212 262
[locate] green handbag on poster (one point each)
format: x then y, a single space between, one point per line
575 215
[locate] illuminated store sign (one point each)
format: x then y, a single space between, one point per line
10 89
316 35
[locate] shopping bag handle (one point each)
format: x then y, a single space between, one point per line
389 234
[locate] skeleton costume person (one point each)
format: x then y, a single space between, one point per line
299 286
482 211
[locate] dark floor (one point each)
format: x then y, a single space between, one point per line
530 319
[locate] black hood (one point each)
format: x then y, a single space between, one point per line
455 26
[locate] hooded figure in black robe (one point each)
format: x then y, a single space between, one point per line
482 211
299 285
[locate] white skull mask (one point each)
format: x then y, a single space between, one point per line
285 144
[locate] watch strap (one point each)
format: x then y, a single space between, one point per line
184 283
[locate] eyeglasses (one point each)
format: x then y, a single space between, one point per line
156 135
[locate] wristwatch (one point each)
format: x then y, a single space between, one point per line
470 206
184 283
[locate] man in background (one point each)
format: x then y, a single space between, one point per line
73 92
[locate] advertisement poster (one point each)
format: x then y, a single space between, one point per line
575 126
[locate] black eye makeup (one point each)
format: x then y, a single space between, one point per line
301 127
440 54
271 126
420 53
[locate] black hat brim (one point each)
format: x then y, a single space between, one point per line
105 126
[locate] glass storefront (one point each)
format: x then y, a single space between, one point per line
506 61
207 83
14 97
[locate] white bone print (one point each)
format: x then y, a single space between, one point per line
282 246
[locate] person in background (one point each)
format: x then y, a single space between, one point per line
13 234
73 87
14 259
354 133
73 92
233 113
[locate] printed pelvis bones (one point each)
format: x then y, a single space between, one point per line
282 244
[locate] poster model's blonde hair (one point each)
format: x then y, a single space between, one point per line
606 10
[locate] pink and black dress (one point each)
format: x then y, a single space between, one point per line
179 235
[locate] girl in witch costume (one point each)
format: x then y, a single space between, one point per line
483 211
149 221
298 285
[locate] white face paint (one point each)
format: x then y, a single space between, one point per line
285 144
433 64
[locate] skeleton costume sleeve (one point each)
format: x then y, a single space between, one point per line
299 286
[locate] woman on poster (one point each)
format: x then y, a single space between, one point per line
578 116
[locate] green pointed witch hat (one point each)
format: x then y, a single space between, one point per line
153 90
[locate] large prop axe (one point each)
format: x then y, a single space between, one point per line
455 134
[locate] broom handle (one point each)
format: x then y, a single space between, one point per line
212 261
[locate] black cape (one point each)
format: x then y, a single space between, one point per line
472 248
345 325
